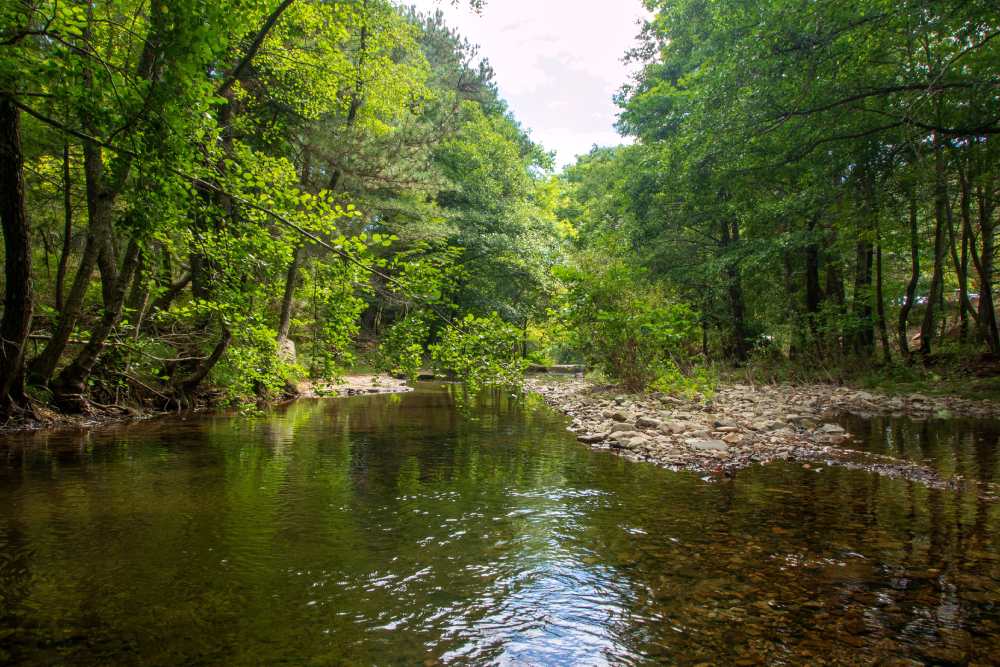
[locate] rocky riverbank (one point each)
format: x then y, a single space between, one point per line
744 425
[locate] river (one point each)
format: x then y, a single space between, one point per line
435 528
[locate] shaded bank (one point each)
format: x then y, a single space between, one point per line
104 415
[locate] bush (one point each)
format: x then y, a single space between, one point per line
481 351
628 327
252 367
401 351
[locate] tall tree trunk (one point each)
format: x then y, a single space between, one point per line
291 277
961 264
18 294
814 293
138 297
902 330
862 338
739 345
67 229
937 277
983 261
967 309
883 328
835 293
862 326
795 318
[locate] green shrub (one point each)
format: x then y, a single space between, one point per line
401 351
481 351
628 327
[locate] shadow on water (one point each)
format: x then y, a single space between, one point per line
435 527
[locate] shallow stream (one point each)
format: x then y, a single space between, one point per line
430 527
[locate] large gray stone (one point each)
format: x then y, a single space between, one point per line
673 428
707 445
647 422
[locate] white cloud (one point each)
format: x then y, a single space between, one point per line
558 63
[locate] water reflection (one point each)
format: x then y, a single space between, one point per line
965 447
435 527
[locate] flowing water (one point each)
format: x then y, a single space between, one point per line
432 528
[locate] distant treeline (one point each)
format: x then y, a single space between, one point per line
819 179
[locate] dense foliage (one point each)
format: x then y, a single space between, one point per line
626 326
818 181
240 194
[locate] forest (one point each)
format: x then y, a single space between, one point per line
817 181
219 200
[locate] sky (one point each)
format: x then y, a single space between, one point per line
557 62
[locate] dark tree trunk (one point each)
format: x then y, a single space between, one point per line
18 297
835 293
794 309
983 261
961 258
739 345
883 328
814 293
862 338
937 277
67 229
902 330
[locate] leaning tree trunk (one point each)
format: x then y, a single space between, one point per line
18 297
68 387
182 389
42 367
